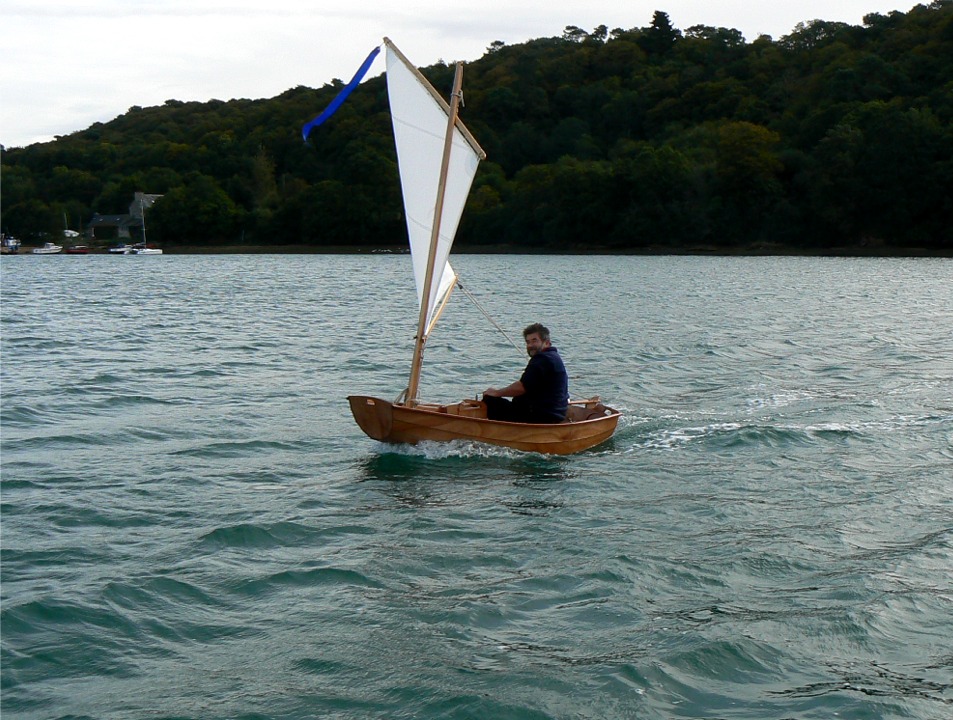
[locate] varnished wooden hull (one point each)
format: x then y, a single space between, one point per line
382 420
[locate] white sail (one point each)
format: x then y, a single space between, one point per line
420 118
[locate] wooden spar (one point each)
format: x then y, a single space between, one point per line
410 398
467 135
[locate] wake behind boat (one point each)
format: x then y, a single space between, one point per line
437 159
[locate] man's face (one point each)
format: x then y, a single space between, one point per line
535 344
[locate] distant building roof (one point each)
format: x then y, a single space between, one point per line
132 219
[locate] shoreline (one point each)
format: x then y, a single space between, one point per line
757 250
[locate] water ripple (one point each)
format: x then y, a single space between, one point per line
193 527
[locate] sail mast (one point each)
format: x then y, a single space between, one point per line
142 211
421 339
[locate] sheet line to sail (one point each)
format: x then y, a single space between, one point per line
420 118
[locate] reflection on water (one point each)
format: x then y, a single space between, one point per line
439 473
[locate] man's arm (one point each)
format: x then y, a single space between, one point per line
512 390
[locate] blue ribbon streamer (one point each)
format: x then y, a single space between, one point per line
341 96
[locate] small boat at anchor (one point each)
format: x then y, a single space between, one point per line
48 249
143 247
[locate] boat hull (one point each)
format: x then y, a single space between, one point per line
48 249
382 420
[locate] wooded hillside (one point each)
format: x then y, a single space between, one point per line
647 139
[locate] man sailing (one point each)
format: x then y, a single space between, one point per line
541 395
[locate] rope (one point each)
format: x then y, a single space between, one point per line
487 316
521 351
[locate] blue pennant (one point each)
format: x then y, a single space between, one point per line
341 96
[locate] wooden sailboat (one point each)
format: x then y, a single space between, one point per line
437 158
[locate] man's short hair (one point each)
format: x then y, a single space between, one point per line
537 329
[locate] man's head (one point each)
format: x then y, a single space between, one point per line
536 337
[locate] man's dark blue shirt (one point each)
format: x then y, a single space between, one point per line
547 386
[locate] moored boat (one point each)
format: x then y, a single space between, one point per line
145 250
143 247
48 249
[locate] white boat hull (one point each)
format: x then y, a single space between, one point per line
48 249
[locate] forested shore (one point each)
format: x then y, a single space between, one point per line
834 139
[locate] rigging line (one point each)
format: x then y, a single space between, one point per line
487 316
496 325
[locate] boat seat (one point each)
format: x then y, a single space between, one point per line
579 413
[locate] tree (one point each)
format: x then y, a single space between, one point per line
885 173
199 212
574 34
660 37
32 220
264 186
658 198
833 133
741 170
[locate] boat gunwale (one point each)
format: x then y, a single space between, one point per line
427 408
392 423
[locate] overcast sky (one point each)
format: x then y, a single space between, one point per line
69 64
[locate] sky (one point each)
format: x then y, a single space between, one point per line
69 64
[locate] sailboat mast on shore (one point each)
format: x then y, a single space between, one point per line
144 249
